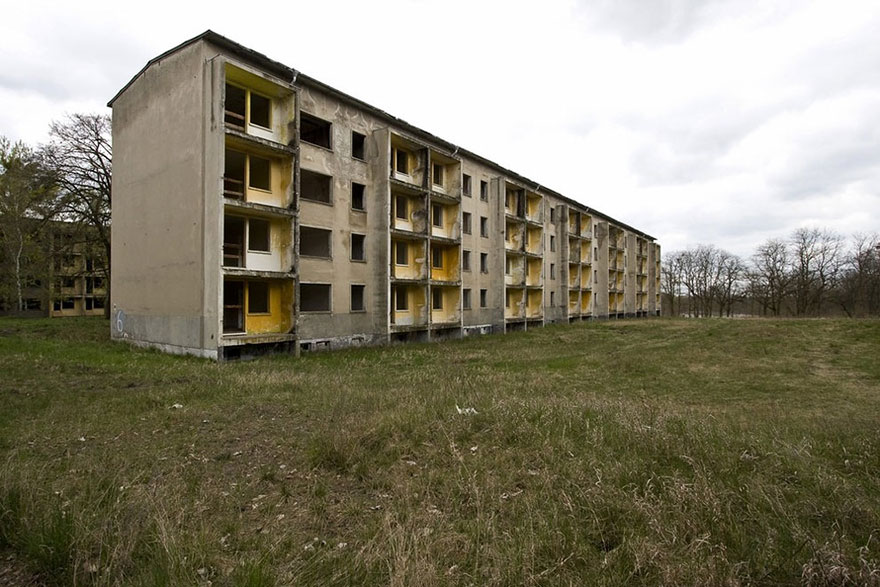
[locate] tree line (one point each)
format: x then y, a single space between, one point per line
813 272
65 180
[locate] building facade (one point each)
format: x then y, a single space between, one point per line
257 208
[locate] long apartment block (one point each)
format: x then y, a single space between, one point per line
256 208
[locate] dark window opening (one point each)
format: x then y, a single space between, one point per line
314 297
401 254
259 235
357 247
437 215
357 298
436 299
314 130
553 215
437 258
33 304
233 304
484 262
401 161
314 242
235 104
466 299
484 227
466 184
465 260
507 265
90 304
260 173
466 222
357 196
400 206
438 174
484 294
233 241
357 145
258 297
552 243
401 300
484 190
233 175
99 303
315 186
260 110
552 298
552 271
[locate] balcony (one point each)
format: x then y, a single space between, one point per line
409 308
409 213
533 273
257 307
534 304
514 270
574 225
586 251
514 303
409 260
256 178
586 303
574 250
586 226
574 272
534 208
534 244
257 107
513 236
445 263
445 304
257 244
444 221
574 306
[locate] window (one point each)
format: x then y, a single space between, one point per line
357 298
233 241
465 260
357 247
314 130
357 146
484 294
437 215
466 222
261 107
315 186
484 191
507 299
595 253
314 242
357 196
400 161
259 235
401 300
68 304
552 243
466 299
484 227
438 174
236 98
437 258
436 299
260 176
400 207
401 255
552 270
466 185
552 215
552 298
484 262
233 306
507 265
314 297
258 297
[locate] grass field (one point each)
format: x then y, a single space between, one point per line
612 453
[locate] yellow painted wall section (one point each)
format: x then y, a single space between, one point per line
535 240
574 272
586 250
280 171
416 312
533 207
573 298
586 225
415 255
450 270
515 308
535 304
574 250
513 236
533 272
586 302
449 313
280 304
449 228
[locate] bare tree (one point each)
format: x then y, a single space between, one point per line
672 280
816 261
770 276
26 205
729 281
80 157
858 293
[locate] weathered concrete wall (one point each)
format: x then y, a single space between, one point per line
160 234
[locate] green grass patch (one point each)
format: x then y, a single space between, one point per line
609 453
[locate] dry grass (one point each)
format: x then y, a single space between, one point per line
616 453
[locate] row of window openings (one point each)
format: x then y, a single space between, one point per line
256 233
68 304
401 300
92 283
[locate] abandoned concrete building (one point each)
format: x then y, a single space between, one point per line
257 208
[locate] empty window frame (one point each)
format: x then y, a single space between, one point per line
314 297
437 174
400 161
437 258
315 186
233 305
401 207
466 222
484 191
258 297
484 295
259 235
357 247
552 243
314 130
233 241
401 299
357 145
466 299
357 298
437 215
552 298
246 107
508 265
484 227
466 185
314 242
259 173
436 299
552 215
484 262
465 260
358 200
401 253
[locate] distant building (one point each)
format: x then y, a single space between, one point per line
255 207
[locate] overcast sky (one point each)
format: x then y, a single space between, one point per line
724 122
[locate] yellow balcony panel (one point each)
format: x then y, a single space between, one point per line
586 302
513 236
573 302
574 250
445 303
256 178
408 259
257 306
445 263
514 269
534 207
408 161
257 106
574 272
514 304
574 222
586 226
533 272
409 213
586 250
535 304
408 305
585 278
534 240
444 221
257 243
